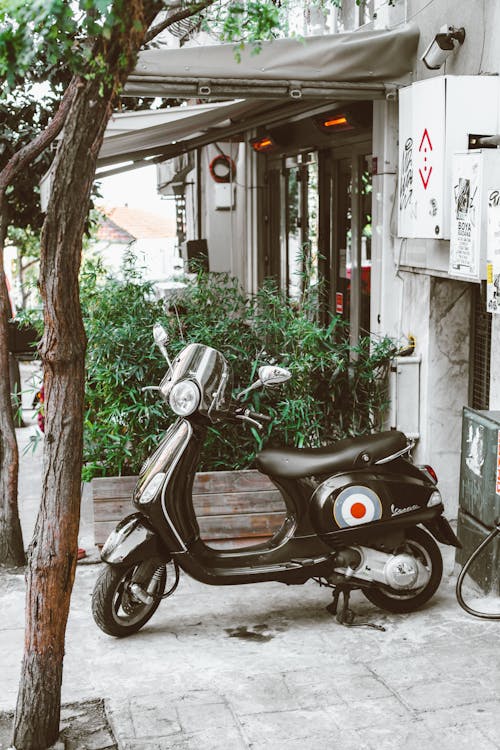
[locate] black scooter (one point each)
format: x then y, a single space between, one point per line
355 511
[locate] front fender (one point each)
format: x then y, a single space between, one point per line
132 541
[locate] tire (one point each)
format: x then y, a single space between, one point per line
420 544
115 609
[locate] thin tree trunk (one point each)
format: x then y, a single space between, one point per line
53 552
11 537
11 541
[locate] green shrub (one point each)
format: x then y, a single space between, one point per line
331 393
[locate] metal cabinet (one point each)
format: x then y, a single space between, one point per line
479 503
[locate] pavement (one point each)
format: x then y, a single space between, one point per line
266 666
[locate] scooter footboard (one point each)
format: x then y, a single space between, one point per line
132 541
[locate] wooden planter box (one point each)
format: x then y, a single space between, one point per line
234 508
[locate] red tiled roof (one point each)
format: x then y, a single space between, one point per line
124 224
109 232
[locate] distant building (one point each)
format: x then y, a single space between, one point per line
152 238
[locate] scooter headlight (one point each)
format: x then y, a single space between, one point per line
150 490
184 398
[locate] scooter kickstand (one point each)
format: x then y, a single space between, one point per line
346 616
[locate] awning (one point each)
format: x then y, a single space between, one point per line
292 79
162 134
360 65
136 135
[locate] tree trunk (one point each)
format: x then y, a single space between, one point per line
11 542
11 538
53 551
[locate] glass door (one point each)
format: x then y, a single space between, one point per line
293 223
351 242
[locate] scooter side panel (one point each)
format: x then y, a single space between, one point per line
348 507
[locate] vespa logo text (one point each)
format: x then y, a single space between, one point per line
396 511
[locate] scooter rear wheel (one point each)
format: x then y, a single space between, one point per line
115 608
421 545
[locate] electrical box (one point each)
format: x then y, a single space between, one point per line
404 386
436 117
479 503
224 196
475 174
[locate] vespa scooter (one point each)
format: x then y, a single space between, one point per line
354 511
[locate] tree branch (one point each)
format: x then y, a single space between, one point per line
191 10
25 155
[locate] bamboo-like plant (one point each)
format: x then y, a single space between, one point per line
331 394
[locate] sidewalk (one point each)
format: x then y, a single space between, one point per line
266 666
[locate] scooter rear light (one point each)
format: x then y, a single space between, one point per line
430 473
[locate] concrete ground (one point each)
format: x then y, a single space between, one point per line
265 666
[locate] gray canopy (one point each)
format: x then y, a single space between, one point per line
350 65
287 78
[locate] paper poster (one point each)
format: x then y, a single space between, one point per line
465 227
493 253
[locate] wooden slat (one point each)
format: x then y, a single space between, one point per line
212 482
243 524
209 482
113 509
216 527
238 502
204 505
113 487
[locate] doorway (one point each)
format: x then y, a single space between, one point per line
318 229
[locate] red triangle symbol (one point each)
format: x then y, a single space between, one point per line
425 135
425 181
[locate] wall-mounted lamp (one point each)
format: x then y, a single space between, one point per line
354 117
336 122
263 144
444 43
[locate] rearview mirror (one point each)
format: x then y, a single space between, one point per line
273 375
159 334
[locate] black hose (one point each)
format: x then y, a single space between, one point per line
475 554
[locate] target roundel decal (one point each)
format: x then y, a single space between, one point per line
356 505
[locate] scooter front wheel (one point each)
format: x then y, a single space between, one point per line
116 607
421 545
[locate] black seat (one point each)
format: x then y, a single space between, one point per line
347 454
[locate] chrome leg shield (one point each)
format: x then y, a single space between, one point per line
132 541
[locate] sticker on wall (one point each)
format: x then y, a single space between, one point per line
493 253
474 451
356 505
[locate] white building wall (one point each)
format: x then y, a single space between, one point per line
411 290
224 227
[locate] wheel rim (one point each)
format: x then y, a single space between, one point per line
125 608
417 550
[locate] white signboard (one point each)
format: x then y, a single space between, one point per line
493 253
465 220
421 159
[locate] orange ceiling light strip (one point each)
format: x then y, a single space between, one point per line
337 122
263 144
